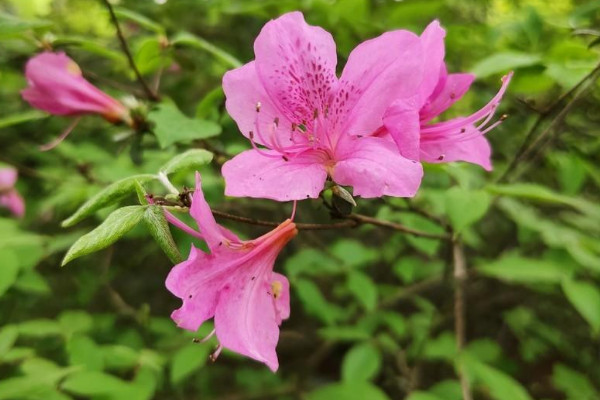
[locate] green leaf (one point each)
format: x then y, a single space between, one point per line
23 387
576 385
500 385
315 304
172 126
363 288
361 363
348 391
542 194
504 62
465 207
443 347
515 269
85 352
75 322
585 297
345 333
9 269
119 357
354 253
191 159
115 226
419 395
188 360
19 118
139 19
93 383
109 195
8 337
37 328
158 226
190 40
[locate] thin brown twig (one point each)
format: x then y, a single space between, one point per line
460 278
527 147
147 90
352 221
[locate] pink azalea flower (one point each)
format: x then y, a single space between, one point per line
57 86
9 197
235 284
458 139
315 125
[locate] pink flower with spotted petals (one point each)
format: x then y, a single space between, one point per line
459 139
9 197
57 86
314 125
234 284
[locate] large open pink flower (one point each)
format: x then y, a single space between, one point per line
234 283
459 139
9 197
57 86
315 125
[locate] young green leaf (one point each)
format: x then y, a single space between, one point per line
585 297
9 269
188 160
109 195
116 225
190 40
361 363
465 207
188 360
172 126
156 222
348 391
363 288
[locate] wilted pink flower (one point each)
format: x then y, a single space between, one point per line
459 139
314 125
9 197
57 86
235 284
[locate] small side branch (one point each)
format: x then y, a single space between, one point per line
351 221
460 279
147 90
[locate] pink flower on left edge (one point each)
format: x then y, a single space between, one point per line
9 197
57 86
234 283
459 139
315 125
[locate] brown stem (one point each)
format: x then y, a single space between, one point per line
352 220
528 148
149 93
460 279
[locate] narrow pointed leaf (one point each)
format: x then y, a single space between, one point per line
116 225
109 195
189 160
156 222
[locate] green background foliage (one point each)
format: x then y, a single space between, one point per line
372 309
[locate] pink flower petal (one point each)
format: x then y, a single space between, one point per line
14 202
374 168
402 121
378 71
296 65
282 300
213 233
252 174
8 177
476 149
244 90
57 86
432 40
197 281
453 89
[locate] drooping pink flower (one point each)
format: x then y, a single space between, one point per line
315 125
459 139
234 283
57 86
9 197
